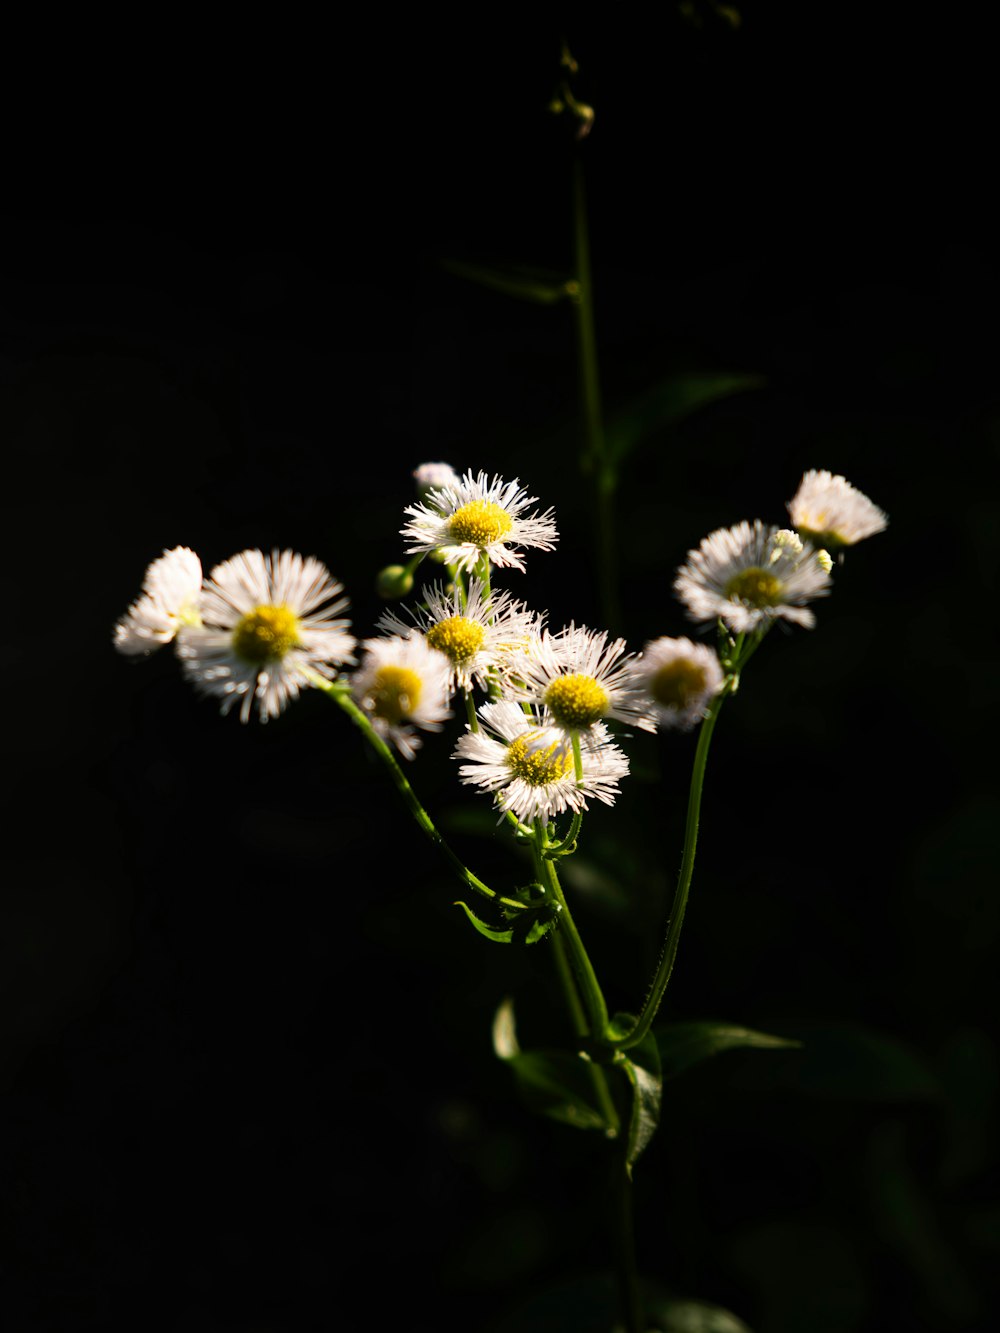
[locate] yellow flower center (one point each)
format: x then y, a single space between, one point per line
755 586
266 634
677 683
458 638
576 701
538 764
816 527
479 522
395 693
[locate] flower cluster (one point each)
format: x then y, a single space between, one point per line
261 628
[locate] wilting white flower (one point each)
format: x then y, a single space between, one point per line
170 591
476 635
530 766
270 625
746 577
402 683
476 515
432 476
579 678
829 511
679 678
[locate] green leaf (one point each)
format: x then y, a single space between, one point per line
641 1067
850 1062
560 1085
683 1044
668 402
553 1083
522 281
505 1042
528 927
591 1303
673 1316
497 936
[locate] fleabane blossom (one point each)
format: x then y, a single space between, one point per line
529 764
169 601
750 575
475 516
432 476
679 678
579 678
828 511
270 626
402 683
476 635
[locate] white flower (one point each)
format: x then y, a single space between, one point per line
579 678
530 765
679 678
829 511
402 683
475 515
432 476
169 601
270 626
747 577
477 636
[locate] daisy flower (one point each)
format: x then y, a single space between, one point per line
749 575
474 515
529 765
829 511
679 678
170 591
270 624
432 476
476 636
402 683
579 678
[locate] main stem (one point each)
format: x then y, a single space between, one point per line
666 963
583 968
595 459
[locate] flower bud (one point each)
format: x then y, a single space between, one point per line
393 582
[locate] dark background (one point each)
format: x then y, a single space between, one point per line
244 1036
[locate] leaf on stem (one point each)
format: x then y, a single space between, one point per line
641 1066
560 1085
681 1045
557 1084
522 281
669 402
527 927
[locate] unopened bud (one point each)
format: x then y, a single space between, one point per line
393 582
824 560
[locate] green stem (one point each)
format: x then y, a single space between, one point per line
595 459
566 844
577 1012
470 711
338 693
583 969
666 964
628 1271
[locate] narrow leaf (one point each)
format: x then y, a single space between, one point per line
668 402
641 1066
505 1042
497 936
683 1044
561 1086
518 280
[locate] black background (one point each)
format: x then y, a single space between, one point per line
244 1035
